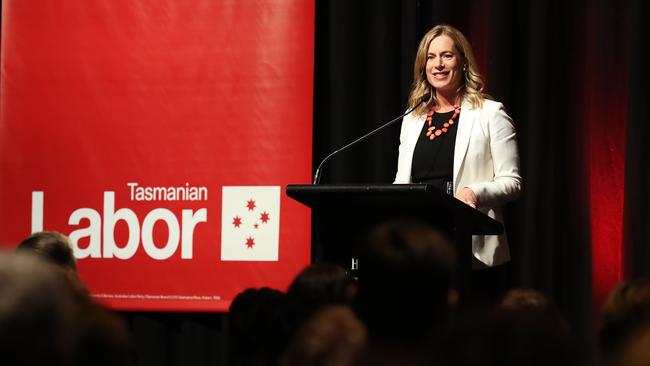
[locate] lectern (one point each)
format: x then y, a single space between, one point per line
341 214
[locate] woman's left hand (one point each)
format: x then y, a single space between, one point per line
467 196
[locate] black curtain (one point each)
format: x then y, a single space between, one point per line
637 169
534 56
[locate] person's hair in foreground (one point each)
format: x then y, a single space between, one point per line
45 320
510 336
625 312
37 313
635 351
322 284
332 336
471 87
318 285
405 275
525 299
258 332
52 246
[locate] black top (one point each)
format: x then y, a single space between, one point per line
433 160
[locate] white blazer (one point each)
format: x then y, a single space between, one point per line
486 160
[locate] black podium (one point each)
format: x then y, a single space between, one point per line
341 214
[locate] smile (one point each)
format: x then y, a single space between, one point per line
441 75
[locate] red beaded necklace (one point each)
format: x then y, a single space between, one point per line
432 132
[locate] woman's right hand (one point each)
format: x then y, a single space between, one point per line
467 196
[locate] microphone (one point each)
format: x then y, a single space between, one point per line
423 99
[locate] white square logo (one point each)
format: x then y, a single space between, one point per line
250 223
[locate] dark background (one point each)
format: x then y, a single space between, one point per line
564 70
561 68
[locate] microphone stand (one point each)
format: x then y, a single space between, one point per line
369 134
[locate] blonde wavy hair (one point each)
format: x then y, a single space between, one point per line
471 88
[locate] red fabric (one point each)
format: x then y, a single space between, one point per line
606 103
161 92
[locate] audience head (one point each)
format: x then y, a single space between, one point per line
525 299
515 333
37 313
635 351
626 310
332 336
52 246
318 285
46 320
258 333
104 339
530 303
405 273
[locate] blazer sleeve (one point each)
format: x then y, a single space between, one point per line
506 183
403 175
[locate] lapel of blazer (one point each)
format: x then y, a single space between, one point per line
416 129
465 123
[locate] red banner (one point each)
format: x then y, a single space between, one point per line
159 135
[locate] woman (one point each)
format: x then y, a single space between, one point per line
459 141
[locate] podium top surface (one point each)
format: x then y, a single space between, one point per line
417 199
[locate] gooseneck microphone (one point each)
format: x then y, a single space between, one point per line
423 99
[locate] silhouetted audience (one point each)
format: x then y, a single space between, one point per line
404 293
524 329
536 333
44 298
55 248
44 320
258 330
322 284
104 338
37 313
500 336
525 299
635 351
332 336
625 313
316 286
51 246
